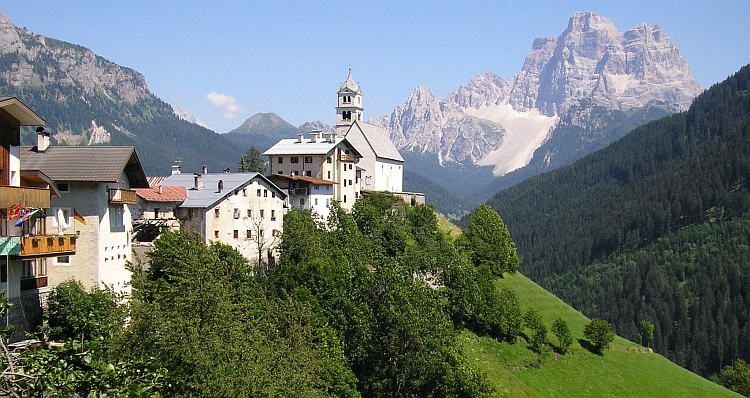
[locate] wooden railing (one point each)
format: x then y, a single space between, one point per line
122 196
33 283
42 245
298 191
346 158
26 197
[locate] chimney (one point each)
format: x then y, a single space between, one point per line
328 137
221 185
198 182
205 169
42 139
299 138
159 189
314 136
176 169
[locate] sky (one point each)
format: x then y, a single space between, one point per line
225 61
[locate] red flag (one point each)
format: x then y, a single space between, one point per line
14 211
78 217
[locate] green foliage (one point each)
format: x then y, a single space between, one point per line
252 161
646 331
652 227
538 330
737 377
599 333
562 332
73 313
487 242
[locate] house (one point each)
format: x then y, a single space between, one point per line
96 186
242 210
357 158
328 157
27 245
307 193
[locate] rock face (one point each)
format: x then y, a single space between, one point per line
501 123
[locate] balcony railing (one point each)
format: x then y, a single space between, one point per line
33 283
122 197
27 197
298 191
346 158
46 245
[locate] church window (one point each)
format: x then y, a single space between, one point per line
347 115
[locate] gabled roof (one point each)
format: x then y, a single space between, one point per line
167 194
311 180
19 111
375 137
292 146
210 195
86 163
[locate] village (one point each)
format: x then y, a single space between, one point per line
85 212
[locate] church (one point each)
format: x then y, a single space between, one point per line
355 159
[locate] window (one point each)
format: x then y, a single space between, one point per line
259 192
265 193
294 159
273 194
236 213
235 234
63 187
156 212
308 173
28 270
328 160
344 198
346 115
301 201
260 233
261 213
329 175
249 213
275 232
62 260
308 159
280 172
281 160
61 217
273 215
244 192
350 182
346 151
216 212
344 182
216 234
116 218
249 234
350 166
190 213
316 201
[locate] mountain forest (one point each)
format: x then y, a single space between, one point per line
653 227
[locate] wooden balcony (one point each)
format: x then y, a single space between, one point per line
346 158
47 245
27 197
33 283
299 191
122 197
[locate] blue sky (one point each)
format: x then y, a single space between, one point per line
227 60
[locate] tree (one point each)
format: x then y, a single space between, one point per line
538 337
599 333
646 331
252 161
265 241
737 377
562 332
487 242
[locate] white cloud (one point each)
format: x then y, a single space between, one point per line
230 105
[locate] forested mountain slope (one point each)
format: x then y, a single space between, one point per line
597 221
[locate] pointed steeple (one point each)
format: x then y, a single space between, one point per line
349 108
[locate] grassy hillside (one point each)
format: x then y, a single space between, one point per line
624 370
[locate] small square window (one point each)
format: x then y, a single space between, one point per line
63 187
294 159
308 159
328 160
281 160
216 234
308 173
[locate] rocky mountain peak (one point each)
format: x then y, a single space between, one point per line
265 120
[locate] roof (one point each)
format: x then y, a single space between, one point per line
210 195
376 138
350 83
311 180
154 181
21 112
167 194
86 163
292 146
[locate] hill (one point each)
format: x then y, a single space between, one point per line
637 230
624 370
88 100
262 130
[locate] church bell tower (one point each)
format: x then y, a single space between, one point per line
349 107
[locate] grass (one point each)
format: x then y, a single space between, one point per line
624 369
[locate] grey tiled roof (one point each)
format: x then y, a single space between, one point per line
210 195
376 137
89 163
